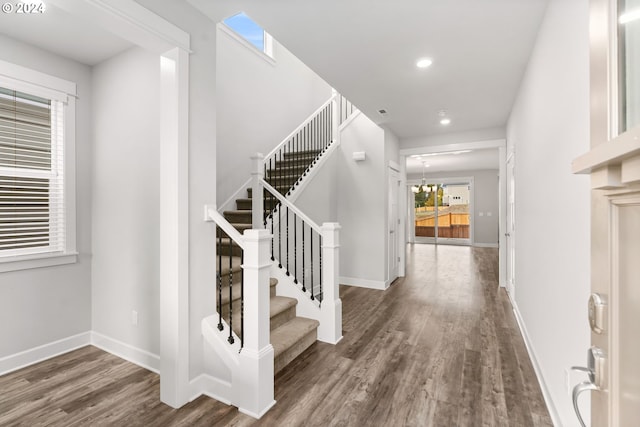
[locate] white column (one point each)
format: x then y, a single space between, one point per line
254 379
330 329
174 228
257 204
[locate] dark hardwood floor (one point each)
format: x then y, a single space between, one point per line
439 348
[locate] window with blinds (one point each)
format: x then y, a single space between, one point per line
31 174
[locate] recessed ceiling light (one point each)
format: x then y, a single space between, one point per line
445 121
424 63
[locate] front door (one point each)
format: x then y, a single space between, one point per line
614 166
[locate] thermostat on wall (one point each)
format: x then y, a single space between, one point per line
359 156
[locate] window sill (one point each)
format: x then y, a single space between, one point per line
26 262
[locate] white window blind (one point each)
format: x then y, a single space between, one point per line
32 217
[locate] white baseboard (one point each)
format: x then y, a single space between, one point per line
211 387
555 417
47 351
126 351
486 245
364 283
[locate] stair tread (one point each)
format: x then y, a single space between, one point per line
285 336
279 304
238 211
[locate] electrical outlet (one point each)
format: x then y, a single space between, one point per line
134 318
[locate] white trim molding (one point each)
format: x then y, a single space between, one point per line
43 352
142 358
553 412
365 283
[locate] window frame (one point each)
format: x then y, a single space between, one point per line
26 80
267 53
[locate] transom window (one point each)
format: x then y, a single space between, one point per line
251 32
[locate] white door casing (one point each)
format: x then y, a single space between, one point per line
393 226
510 233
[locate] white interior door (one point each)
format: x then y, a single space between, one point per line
510 233
394 221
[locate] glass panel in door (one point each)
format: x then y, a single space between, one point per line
453 213
425 213
628 64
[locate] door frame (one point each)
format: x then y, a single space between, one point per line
394 178
501 146
510 229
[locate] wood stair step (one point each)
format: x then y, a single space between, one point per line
291 339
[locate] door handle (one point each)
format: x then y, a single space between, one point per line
596 372
507 234
583 386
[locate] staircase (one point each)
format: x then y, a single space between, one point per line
273 264
290 335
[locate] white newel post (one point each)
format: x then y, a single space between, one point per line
254 392
330 329
257 203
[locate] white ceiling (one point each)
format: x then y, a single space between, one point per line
59 32
474 160
367 50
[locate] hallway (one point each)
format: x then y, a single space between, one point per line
439 348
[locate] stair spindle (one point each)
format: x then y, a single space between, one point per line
295 248
231 340
303 262
220 326
242 302
320 295
280 217
271 215
287 239
311 255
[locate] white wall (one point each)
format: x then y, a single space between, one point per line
43 305
485 199
548 127
126 218
260 102
318 199
362 208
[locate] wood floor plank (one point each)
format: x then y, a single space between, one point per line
440 347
